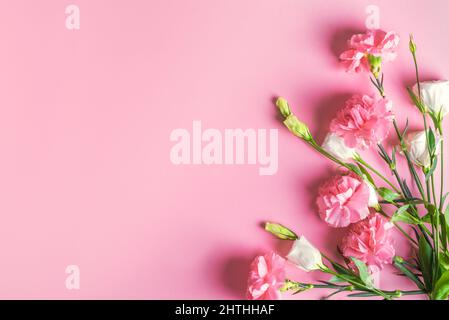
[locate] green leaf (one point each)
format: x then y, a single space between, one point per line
431 142
401 215
355 169
280 231
399 264
443 200
444 230
443 259
366 174
364 274
387 194
415 100
431 170
446 215
445 222
336 279
441 290
334 293
425 254
427 218
362 295
347 273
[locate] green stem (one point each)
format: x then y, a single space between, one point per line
436 213
298 286
320 149
364 163
406 234
433 190
409 161
426 130
429 199
357 283
413 241
379 85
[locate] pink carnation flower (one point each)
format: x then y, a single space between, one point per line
345 199
377 43
364 121
370 241
266 277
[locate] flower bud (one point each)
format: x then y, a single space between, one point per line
412 45
305 256
373 202
280 231
283 106
435 96
335 145
416 145
297 127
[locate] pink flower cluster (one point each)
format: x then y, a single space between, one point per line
370 241
377 43
266 277
363 122
343 200
346 199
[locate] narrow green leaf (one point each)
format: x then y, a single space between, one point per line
355 169
336 279
280 231
404 132
362 295
334 293
401 215
398 263
387 194
443 199
444 230
427 218
432 169
366 174
443 259
446 214
425 255
431 142
348 273
415 100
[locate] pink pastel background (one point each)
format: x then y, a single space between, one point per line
85 119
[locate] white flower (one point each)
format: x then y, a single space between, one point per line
417 147
304 255
372 200
435 96
336 146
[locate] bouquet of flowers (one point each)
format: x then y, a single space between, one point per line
359 196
